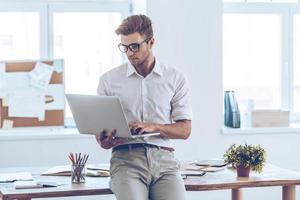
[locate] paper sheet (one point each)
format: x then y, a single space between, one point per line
27 104
2 67
4 102
20 176
2 80
17 81
23 99
58 66
56 91
7 123
40 76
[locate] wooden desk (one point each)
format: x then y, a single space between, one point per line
222 180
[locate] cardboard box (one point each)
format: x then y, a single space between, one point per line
270 118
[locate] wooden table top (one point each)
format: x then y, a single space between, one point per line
224 179
227 179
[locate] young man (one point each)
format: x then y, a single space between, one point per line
155 99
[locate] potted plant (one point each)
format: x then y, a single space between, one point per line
245 158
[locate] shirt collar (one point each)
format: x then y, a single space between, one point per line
157 69
130 69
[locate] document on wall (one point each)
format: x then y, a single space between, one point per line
7 124
55 92
2 80
58 66
27 104
40 76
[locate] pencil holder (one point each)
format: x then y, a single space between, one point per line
78 173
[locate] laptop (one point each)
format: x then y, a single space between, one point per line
92 114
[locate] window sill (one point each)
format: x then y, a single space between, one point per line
46 133
266 130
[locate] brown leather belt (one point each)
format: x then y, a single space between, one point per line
140 145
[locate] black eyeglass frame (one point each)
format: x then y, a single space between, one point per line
130 46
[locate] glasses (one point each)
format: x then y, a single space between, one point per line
134 47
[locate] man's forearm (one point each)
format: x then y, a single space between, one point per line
179 130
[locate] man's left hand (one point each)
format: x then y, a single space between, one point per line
144 127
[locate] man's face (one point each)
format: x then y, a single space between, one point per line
137 56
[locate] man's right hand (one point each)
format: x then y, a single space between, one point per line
108 140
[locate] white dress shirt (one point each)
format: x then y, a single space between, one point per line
161 97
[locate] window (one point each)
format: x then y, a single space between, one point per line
80 32
296 78
19 36
260 44
87 43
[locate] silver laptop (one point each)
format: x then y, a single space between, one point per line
93 114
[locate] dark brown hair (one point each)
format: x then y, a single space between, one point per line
136 23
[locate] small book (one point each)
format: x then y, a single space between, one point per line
97 173
192 173
27 184
211 163
33 184
103 167
203 168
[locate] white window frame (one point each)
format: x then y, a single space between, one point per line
91 6
286 10
41 8
46 10
293 10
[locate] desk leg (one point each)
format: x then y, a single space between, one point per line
289 192
236 194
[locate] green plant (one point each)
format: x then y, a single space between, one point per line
253 156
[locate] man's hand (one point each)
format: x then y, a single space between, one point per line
108 140
143 127
181 129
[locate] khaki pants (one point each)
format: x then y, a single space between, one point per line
146 174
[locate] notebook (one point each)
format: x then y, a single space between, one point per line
93 114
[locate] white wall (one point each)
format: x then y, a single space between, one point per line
188 36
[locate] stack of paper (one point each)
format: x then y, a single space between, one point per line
199 168
17 176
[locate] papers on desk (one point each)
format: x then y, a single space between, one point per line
102 166
203 168
26 184
64 170
200 168
209 165
33 184
17 176
99 170
96 170
210 162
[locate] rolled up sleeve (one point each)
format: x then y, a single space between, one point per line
181 103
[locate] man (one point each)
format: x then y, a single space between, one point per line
155 99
